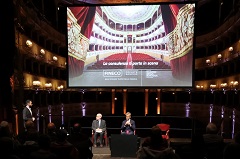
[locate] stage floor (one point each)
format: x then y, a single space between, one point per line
105 152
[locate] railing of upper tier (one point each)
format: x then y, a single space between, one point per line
219 61
217 35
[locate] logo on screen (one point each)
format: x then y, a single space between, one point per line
112 73
151 74
131 73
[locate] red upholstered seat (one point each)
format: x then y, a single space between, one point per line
165 129
105 138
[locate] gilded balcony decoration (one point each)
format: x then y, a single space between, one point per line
36 83
180 43
48 85
233 84
223 85
213 86
55 58
208 61
181 38
199 87
77 42
42 52
60 87
79 25
230 49
29 43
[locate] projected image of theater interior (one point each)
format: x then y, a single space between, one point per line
131 45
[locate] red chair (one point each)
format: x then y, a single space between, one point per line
165 129
105 138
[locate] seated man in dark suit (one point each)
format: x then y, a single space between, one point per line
99 128
128 125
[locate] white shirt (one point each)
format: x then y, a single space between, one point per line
99 123
29 109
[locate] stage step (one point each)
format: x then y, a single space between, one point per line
105 153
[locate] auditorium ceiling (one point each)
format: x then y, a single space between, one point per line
124 1
130 14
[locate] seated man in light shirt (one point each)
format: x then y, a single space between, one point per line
99 128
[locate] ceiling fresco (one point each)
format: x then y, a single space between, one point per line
130 14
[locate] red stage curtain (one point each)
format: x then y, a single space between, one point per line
169 15
181 67
75 67
169 19
85 18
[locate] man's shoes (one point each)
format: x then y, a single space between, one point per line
101 145
94 145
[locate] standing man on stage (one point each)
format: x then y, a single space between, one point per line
128 126
27 112
98 128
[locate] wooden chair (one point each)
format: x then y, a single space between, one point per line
165 129
105 138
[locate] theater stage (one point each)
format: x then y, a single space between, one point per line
105 152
